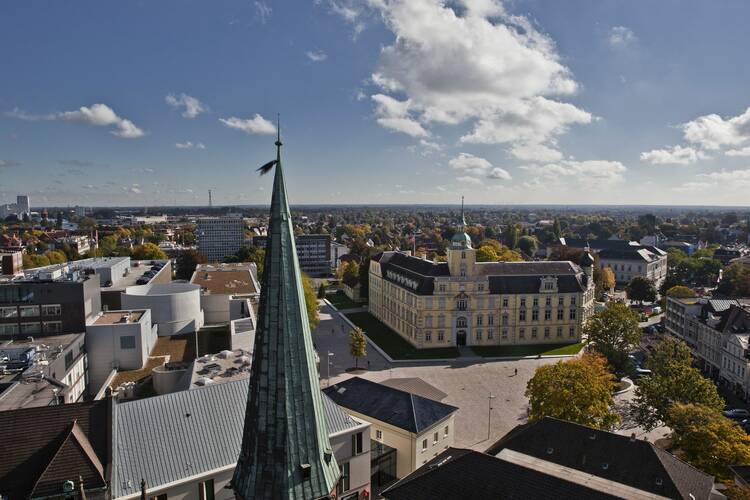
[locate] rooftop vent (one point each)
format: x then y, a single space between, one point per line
306 470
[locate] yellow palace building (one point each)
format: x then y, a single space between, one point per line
464 302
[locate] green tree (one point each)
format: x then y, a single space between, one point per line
708 440
614 333
250 254
357 345
556 228
641 289
681 292
55 257
494 244
528 245
30 261
486 254
59 221
735 281
311 302
350 275
187 261
673 380
578 390
148 251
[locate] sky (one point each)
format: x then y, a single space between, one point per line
148 103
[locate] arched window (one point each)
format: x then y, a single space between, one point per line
461 304
461 322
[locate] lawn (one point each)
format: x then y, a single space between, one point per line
341 301
511 351
393 344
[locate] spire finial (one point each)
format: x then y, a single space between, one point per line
463 219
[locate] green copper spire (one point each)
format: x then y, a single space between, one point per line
285 450
461 240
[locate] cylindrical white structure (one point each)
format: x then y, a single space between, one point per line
175 307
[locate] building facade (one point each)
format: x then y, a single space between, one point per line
49 302
219 237
717 331
313 252
464 302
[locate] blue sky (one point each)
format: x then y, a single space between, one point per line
382 101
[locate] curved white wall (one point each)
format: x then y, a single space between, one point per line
175 307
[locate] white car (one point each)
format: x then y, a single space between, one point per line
737 413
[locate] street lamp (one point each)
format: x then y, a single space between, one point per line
489 413
328 368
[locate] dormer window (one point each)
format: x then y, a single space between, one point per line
463 254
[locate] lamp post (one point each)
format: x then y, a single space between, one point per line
489 414
328 368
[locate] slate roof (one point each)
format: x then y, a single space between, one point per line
415 385
462 473
503 277
44 447
154 438
635 463
399 408
594 244
629 253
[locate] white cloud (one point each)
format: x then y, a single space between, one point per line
192 107
135 189
726 180
88 186
9 163
349 10
101 115
620 37
189 145
477 166
255 125
732 177
739 152
479 65
262 11
316 55
676 155
535 152
499 173
712 131
469 179
394 115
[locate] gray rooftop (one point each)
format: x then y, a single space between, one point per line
171 437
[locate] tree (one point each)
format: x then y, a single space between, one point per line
578 390
350 274
641 289
187 261
681 292
486 254
735 281
673 380
250 254
357 345
59 221
528 245
508 255
708 440
556 228
34 260
311 302
55 257
148 251
614 333
607 278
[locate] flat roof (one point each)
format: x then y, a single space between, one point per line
225 279
136 270
112 317
49 340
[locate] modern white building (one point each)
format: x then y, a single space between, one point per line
175 307
118 340
337 251
220 236
185 445
222 284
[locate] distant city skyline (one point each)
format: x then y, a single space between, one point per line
382 101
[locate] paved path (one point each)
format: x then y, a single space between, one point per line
468 383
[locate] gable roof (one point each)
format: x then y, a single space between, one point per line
155 439
462 473
628 461
399 408
44 447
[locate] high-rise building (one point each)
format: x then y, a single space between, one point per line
220 236
23 204
313 252
286 452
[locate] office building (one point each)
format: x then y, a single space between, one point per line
48 301
464 302
313 252
219 237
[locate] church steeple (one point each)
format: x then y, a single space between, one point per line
461 240
285 450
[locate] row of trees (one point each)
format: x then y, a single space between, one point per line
675 394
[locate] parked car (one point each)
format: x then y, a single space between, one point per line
141 281
641 372
737 414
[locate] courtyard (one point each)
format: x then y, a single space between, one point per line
467 383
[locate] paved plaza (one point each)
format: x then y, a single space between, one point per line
467 384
